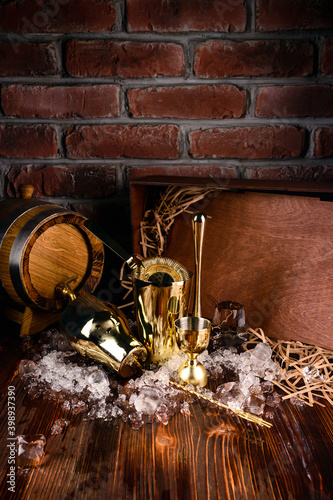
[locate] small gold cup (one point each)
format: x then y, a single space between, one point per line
192 335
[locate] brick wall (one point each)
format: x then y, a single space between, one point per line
94 92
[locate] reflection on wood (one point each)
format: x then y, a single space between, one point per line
210 455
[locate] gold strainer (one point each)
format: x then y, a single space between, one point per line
158 271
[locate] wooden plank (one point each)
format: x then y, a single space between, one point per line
210 455
30 321
238 184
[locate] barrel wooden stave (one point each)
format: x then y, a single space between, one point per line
42 245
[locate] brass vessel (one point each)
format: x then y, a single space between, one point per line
100 332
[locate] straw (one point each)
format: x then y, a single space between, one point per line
294 357
157 222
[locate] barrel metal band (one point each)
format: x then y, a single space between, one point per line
18 249
9 220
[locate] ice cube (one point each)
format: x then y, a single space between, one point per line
270 374
116 412
255 404
247 382
26 367
162 414
66 405
311 373
98 383
64 345
145 404
120 400
78 407
261 353
58 426
97 376
148 400
136 420
174 363
30 450
185 409
273 399
231 395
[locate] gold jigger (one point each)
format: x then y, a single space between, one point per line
100 332
193 332
192 336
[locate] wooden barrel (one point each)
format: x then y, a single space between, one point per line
42 245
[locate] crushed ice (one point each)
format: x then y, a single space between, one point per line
59 425
53 370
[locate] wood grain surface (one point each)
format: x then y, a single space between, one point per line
210 455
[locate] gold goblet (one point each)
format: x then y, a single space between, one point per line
192 336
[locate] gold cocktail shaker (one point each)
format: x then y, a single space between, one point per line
100 332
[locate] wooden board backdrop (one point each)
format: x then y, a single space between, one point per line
271 251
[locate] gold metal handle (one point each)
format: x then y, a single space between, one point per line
198 227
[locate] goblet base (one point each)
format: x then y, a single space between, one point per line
193 372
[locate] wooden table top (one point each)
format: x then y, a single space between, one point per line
210 455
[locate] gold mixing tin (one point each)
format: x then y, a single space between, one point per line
101 332
157 308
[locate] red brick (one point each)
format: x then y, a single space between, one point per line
324 142
220 59
79 181
57 16
197 101
124 59
27 59
256 142
316 100
28 141
205 171
116 141
186 15
37 101
290 173
276 15
327 58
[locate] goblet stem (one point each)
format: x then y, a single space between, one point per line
193 372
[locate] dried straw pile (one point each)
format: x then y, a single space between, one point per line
306 370
157 222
